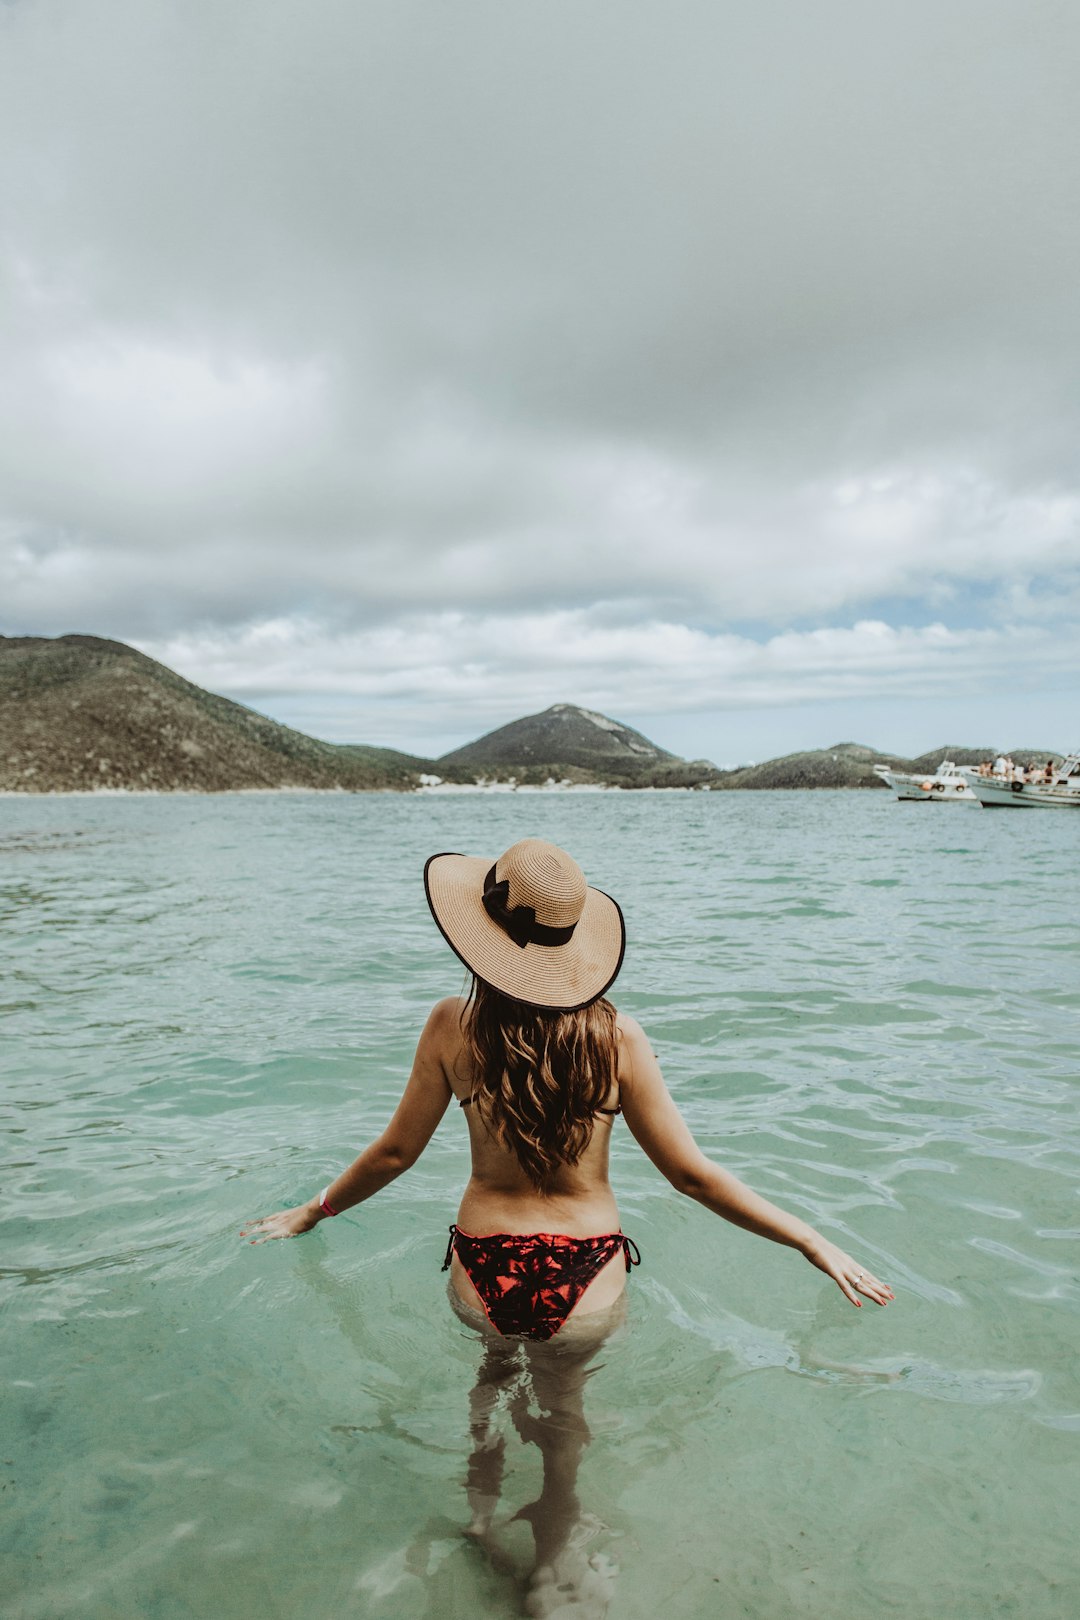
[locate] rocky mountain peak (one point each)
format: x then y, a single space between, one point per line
564 734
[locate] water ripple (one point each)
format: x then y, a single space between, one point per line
209 1005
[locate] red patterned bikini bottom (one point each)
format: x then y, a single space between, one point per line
528 1285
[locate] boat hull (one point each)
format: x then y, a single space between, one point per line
926 789
996 795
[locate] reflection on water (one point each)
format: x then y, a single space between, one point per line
209 1005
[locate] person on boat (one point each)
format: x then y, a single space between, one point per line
1049 771
1002 766
541 1066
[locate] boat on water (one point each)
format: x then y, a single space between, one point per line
948 784
1060 792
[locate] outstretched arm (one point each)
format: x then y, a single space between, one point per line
422 1106
661 1130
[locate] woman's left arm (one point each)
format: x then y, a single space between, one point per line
423 1104
657 1125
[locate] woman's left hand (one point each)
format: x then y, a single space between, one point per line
285 1224
846 1273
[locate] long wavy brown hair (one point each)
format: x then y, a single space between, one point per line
539 1075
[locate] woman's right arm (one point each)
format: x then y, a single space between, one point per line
661 1131
422 1106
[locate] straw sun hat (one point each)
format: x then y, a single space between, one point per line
529 926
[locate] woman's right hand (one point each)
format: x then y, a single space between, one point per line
845 1272
286 1223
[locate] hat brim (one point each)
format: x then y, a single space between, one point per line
564 977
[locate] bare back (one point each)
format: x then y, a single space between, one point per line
499 1196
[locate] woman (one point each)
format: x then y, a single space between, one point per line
541 1065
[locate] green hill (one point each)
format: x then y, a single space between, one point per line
563 735
845 765
80 712
567 743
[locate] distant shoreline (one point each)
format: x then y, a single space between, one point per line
443 789
446 790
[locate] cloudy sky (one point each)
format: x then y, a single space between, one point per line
399 369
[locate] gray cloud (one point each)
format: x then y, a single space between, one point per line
700 314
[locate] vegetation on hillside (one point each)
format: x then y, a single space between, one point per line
83 713
80 712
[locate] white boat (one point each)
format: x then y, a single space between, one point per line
948 783
1062 792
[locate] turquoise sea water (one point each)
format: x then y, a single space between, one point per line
867 1010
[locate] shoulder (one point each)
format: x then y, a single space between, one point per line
635 1050
628 1030
444 1019
439 1047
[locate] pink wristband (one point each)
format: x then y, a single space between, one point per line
323 1205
